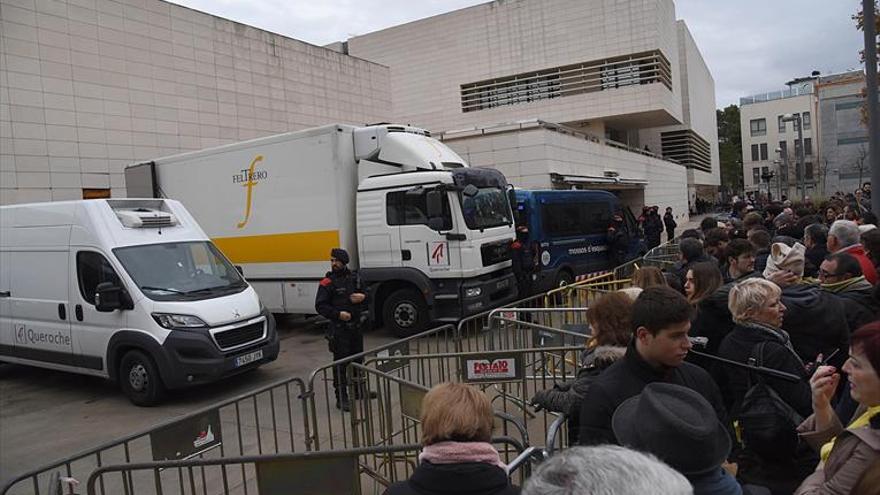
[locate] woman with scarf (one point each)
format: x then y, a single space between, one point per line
457 457
757 313
848 455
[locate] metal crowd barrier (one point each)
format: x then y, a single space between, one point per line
351 471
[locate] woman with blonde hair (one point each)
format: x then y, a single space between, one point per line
458 456
610 322
770 458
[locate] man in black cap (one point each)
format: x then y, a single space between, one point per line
341 299
680 427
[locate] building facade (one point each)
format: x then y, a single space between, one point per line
90 86
843 135
771 145
607 93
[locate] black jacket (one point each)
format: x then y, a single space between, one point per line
816 322
713 321
333 295
653 225
814 258
669 222
467 478
857 297
734 381
761 257
627 378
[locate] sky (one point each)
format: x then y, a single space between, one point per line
750 46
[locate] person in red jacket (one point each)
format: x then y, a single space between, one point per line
843 237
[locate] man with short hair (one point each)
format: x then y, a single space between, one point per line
815 240
760 239
841 275
690 252
740 257
716 243
843 237
708 224
661 319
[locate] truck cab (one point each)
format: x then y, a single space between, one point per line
435 244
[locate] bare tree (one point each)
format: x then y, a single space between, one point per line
823 165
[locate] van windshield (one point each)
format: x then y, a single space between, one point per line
180 271
488 208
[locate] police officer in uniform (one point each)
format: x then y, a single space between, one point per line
524 262
342 299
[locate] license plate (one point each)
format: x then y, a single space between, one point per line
248 358
502 285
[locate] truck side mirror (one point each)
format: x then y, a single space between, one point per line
434 204
436 223
109 297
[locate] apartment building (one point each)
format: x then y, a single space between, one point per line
843 134
90 86
561 94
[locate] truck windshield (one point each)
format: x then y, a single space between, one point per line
488 208
180 271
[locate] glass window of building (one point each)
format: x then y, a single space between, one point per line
756 175
754 152
781 123
805 119
758 127
808 146
763 151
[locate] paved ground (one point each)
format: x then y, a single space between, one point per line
46 415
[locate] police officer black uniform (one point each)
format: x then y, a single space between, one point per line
342 299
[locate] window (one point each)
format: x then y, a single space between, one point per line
783 149
571 219
781 123
808 146
758 127
805 119
794 123
754 152
798 174
92 269
412 209
763 151
809 168
756 175
765 171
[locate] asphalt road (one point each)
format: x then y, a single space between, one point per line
48 415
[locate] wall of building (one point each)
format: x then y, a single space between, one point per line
90 86
431 59
844 139
770 110
527 158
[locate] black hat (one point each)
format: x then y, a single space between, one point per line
676 424
340 254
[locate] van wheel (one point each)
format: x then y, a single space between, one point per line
563 278
405 313
140 380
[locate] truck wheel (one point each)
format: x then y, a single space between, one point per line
405 313
140 380
563 278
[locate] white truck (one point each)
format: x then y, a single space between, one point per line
429 235
126 289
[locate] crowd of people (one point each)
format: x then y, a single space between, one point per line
751 366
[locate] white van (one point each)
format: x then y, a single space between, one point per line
131 290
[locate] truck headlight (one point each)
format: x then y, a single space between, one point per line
473 292
175 321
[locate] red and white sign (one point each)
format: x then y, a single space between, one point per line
484 369
438 253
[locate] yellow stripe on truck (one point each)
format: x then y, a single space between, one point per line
279 248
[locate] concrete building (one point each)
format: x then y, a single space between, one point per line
561 94
835 139
89 86
843 138
770 146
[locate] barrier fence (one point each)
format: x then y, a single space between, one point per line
351 471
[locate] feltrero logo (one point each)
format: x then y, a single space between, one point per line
249 178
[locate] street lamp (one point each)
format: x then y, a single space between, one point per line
801 178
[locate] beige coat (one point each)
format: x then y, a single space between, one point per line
854 451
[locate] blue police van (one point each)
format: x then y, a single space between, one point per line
568 231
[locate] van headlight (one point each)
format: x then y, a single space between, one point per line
172 321
473 292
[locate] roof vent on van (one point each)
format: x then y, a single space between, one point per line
145 218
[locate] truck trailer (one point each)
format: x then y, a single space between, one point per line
429 235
